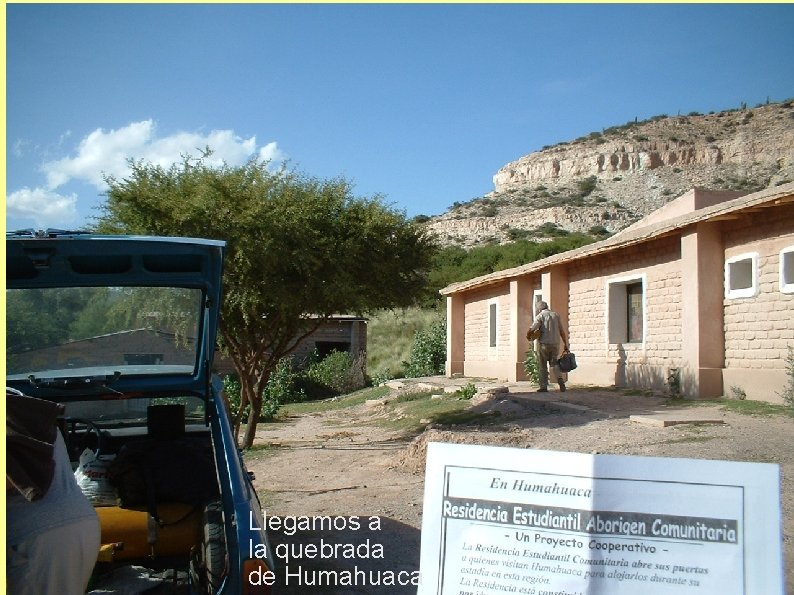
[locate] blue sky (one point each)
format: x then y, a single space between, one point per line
420 103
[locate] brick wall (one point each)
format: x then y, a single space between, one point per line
759 329
476 340
659 262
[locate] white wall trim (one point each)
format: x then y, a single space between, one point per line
616 330
786 281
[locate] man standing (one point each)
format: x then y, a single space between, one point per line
548 323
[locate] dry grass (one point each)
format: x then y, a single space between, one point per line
390 334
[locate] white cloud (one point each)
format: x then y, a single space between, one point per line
44 207
106 153
271 152
100 153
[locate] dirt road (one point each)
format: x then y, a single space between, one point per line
338 463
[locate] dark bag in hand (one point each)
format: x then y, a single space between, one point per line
567 362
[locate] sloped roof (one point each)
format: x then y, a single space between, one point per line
765 198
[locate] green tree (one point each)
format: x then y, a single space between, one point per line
453 263
299 249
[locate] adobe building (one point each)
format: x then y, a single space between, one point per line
338 333
700 292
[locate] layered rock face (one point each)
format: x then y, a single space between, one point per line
607 180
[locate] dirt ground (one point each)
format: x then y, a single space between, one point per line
371 480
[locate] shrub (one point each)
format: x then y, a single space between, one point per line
598 231
428 352
550 229
586 186
674 383
489 211
382 377
231 388
467 391
336 374
517 234
279 389
788 391
531 366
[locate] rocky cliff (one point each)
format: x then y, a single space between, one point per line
605 181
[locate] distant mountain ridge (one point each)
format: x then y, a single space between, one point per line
607 180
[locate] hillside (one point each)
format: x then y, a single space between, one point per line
606 180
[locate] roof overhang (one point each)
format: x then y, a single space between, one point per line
764 199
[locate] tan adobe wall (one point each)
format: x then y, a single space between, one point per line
758 329
476 310
659 263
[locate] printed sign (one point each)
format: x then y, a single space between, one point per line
504 520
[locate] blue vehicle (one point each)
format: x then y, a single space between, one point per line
121 330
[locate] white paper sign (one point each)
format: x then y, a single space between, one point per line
504 520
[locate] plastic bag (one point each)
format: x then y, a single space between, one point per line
92 477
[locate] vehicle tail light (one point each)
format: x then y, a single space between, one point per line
257 577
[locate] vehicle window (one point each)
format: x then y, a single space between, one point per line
102 330
132 412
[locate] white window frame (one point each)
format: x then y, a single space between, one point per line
616 316
493 324
742 292
786 256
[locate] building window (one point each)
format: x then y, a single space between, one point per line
787 270
537 297
741 276
634 312
325 348
626 310
492 319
